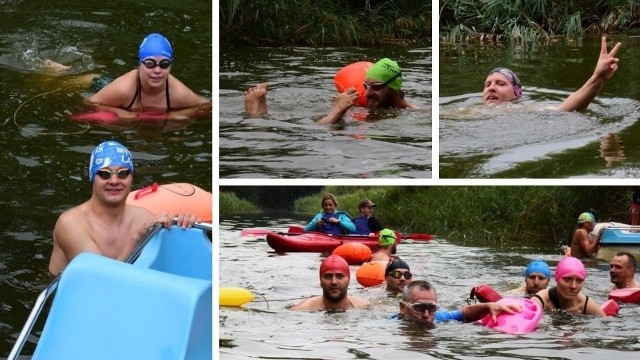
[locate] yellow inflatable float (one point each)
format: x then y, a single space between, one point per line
234 296
173 199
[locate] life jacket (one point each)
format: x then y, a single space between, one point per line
362 225
330 228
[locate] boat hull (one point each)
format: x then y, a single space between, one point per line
617 239
317 242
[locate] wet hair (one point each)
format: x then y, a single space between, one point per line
420 285
632 259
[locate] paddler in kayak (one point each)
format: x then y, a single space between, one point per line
366 223
330 220
382 84
334 280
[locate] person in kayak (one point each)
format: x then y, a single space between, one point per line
567 294
419 303
622 269
366 223
503 86
334 280
583 243
397 276
105 224
150 87
330 220
537 275
387 240
382 84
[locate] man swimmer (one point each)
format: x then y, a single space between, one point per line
383 83
151 86
387 240
334 280
622 269
502 85
397 275
582 244
536 277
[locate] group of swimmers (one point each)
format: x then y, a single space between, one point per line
383 83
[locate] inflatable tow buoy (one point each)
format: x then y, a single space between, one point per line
354 252
371 273
517 323
173 199
484 293
353 75
234 296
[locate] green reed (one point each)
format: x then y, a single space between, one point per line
232 204
324 22
534 20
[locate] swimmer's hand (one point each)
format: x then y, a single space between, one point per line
607 62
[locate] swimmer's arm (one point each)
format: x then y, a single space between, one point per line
198 111
606 66
334 116
120 112
594 309
343 102
72 239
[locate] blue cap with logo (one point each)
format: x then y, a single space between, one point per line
109 153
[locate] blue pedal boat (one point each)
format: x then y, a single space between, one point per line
155 305
618 238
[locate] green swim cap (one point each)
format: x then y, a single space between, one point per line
388 72
387 237
586 217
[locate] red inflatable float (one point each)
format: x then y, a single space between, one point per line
355 253
173 199
353 75
371 273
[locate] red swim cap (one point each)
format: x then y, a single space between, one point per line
335 263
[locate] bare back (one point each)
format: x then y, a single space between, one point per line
81 229
581 245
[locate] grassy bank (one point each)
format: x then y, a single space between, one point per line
515 214
232 204
328 22
462 20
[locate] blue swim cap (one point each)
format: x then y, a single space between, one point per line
109 153
155 45
538 266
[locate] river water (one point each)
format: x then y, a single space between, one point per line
289 144
525 140
264 328
43 173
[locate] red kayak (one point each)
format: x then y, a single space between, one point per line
318 242
628 295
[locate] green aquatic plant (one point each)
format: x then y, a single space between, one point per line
230 203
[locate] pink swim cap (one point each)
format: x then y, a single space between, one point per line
335 263
570 266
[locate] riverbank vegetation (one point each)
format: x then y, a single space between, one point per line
514 214
535 20
232 204
325 23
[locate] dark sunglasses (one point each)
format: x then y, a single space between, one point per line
422 307
398 274
151 63
380 86
106 174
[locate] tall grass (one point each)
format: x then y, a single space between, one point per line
502 213
534 20
324 22
230 203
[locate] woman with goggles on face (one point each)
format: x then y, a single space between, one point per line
150 87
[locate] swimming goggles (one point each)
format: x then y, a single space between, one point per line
397 274
151 63
380 86
422 307
106 174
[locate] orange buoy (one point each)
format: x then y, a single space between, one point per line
354 252
173 199
371 273
353 75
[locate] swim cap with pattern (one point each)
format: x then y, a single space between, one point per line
335 263
538 266
586 217
388 72
513 79
570 266
387 237
155 45
109 153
